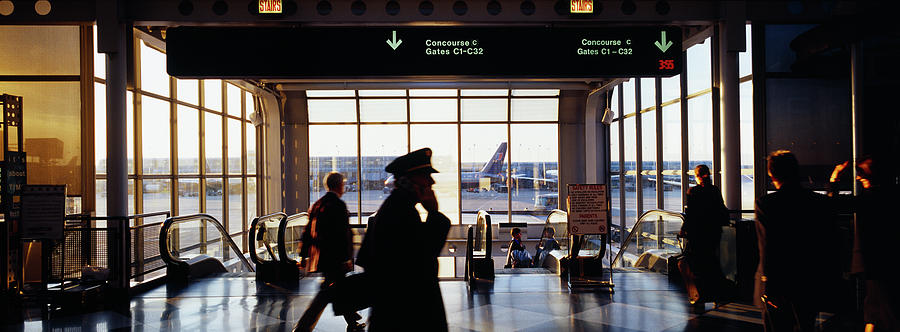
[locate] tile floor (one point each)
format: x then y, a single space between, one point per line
522 302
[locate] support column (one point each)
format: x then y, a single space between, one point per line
731 41
596 144
111 41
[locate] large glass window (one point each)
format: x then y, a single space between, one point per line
155 136
469 134
379 145
699 67
648 160
533 175
332 148
614 160
630 168
153 71
699 132
483 171
199 131
188 140
213 138
443 141
671 180
700 139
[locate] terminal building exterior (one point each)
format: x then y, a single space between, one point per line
144 110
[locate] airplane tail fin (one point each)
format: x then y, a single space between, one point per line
495 165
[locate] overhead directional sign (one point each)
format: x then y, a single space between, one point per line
443 52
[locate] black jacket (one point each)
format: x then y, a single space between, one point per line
798 246
400 254
327 240
705 214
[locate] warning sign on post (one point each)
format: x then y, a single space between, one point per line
587 209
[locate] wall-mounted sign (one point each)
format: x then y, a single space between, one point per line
270 7
429 52
581 6
43 211
13 178
587 209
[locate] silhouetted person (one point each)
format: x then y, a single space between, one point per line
705 214
799 271
400 251
517 256
327 241
876 234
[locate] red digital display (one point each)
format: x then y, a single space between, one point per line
666 64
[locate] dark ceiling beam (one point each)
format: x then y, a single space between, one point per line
236 12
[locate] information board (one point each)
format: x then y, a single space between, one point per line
13 178
43 211
587 208
451 52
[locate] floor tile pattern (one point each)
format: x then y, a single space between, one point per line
641 301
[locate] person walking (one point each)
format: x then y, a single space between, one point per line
876 231
327 243
705 214
399 252
798 270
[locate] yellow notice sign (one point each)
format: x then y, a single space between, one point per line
270 6
587 208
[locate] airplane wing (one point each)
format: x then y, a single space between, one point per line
531 178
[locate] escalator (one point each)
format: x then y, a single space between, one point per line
197 246
268 249
479 262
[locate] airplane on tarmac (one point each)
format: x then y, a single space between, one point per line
492 170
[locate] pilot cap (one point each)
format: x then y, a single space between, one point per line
413 162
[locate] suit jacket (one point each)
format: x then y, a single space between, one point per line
327 240
705 214
400 254
798 242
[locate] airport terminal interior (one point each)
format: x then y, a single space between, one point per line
161 155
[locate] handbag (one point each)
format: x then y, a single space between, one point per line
352 293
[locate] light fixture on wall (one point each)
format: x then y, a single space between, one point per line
256 118
6 7
608 116
42 7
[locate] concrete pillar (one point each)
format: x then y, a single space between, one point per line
731 41
596 143
116 150
572 163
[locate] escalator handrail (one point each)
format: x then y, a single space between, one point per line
486 233
282 230
547 223
253 228
164 231
640 222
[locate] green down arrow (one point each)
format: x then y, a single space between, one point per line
663 45
394 44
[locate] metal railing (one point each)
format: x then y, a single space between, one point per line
558 220
289 237
659 235
171 249
264 238
84 245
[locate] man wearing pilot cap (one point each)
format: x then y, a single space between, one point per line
400 251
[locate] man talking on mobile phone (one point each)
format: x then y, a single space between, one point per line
400 251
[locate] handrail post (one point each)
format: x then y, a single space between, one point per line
660 233
138 249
